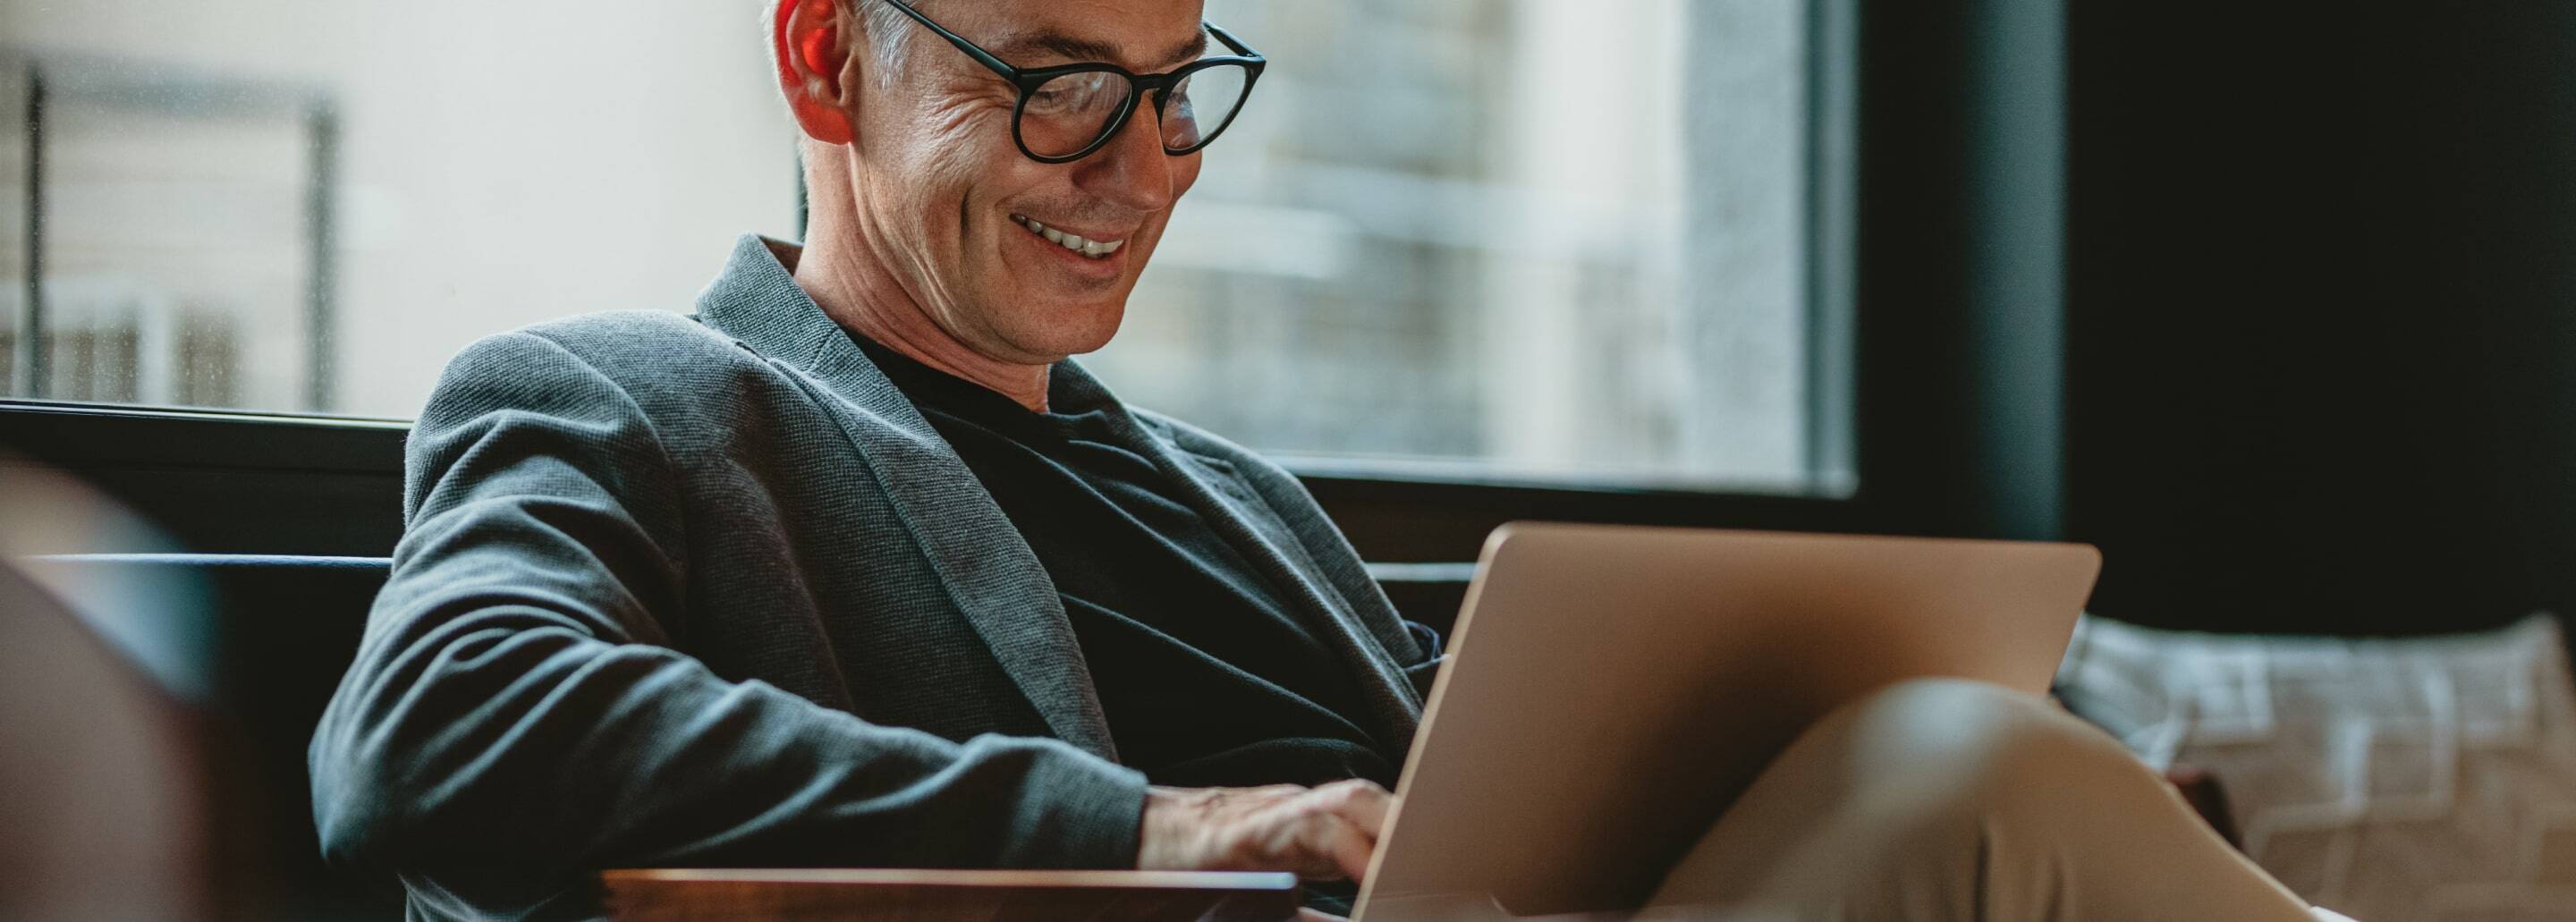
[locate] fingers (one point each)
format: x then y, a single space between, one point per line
1309 915
1340 843
1360 801
1345 818
1325 832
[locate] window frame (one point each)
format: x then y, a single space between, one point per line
225 481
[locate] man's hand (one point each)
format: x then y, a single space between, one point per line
1320 833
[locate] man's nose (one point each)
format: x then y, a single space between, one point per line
1131 169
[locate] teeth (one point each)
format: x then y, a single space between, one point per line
1095 249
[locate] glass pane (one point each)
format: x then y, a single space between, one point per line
303 205
1505 237
13 215
1509 237
168 233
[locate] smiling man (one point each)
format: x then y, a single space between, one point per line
855 567
852 567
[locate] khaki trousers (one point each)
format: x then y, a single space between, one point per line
1957 800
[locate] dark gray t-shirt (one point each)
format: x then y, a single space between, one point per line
1207 680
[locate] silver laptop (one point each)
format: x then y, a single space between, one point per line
1611 690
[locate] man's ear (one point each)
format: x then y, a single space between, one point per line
812 45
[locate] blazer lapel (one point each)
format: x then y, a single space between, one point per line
1279 557
989 572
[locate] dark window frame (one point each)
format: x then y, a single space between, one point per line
222 481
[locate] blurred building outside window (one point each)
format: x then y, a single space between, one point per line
1495 239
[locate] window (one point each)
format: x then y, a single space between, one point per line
1515 239
473 174
175 223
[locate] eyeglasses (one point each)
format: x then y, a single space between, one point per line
1065 113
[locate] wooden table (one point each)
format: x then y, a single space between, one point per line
669 895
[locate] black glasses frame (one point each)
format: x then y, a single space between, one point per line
1028 81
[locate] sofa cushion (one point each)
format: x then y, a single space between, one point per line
2429 778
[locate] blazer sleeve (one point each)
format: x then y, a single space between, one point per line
515 713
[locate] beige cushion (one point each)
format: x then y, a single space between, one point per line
2430 779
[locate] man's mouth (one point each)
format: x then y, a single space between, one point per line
1095 249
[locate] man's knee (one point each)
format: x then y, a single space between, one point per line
1945 798
1946 758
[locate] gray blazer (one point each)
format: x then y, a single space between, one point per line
710 591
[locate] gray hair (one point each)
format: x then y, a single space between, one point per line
888 32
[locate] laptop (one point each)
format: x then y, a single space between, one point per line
1611 690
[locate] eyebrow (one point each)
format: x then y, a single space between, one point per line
1077 48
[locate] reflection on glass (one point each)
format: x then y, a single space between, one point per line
1514 236
175 221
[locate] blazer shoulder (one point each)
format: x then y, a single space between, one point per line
663 341
651 355
614 344
680 374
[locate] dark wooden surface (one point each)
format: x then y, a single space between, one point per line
898 895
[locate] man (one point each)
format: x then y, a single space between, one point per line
854 567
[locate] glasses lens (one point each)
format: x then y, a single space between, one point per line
1066 114
1202 103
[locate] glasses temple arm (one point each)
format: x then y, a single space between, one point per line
1231 43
